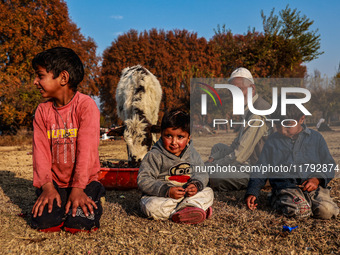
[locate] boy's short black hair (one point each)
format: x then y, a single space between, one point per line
292 111
176 119
59 59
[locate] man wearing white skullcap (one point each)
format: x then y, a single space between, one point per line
246 148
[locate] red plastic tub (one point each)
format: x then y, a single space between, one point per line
118 178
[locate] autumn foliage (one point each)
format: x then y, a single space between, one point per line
174 57
266 56
177 56
27 28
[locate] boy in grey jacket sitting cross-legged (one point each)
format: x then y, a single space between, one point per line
171 188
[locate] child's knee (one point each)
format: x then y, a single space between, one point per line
301 211
203 199
323 205
151 209
157 208
83 222
49 220
147 205
326 210
292 203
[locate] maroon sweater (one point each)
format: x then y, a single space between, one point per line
65 143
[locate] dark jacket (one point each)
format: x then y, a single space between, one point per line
304 158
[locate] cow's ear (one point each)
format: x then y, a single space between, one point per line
119 131
155 129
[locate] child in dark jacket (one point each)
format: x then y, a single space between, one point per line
303 166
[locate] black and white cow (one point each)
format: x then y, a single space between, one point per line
138 97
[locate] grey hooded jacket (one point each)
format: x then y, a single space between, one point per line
161 170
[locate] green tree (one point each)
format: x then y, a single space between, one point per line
295 28
280 51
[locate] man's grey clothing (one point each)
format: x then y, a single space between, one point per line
245 149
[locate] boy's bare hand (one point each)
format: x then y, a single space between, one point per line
191 190
78 198
47 196
176 192
210 160
250 201
311 184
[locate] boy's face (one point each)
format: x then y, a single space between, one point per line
175 140
292 131
47 85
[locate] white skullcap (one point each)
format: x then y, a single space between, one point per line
242 73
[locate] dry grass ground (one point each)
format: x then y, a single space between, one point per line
124 230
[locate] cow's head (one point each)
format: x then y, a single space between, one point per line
139 136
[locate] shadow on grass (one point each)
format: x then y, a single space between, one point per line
236 199
20 192
128 199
